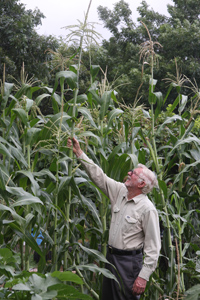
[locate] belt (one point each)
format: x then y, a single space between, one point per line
113 250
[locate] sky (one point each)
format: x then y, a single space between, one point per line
61 13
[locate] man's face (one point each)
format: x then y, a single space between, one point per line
133 178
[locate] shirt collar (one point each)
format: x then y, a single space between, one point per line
138 198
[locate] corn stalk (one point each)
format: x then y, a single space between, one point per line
83 30
148 53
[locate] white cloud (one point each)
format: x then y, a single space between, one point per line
61 13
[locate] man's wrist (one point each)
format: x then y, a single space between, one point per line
78 153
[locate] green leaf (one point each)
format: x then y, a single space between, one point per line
174 105
73 68
5 254
41 283
29 104
38 297
84 111
96 269
21 287
34 184
186 169
193 293
65 291
41 97
15 216
32 135
26 200
93 91
116 150
113 114
189 140
90 134
163 187
7 90
21 114
70 77
159 97
56 101
152 96
93 210
94 70
64 184
95 253
120 166
45 172
152 82
183 103
105 102
5 269
134 159
52 126
67 276
168 92
18 155
17 191
5 151
28 238
80 99
5 177
168 120
23 90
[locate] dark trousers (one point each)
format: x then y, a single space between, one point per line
127 270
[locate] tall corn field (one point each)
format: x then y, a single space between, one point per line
49 206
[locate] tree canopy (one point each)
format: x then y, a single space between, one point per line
174 36
20 43
178 34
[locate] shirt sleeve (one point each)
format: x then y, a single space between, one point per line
152 243
109 186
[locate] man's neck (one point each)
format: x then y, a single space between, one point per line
131 194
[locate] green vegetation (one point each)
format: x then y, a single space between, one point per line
43 189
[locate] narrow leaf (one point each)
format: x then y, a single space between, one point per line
5 151
87 114
7 90
105 102
96 269
26 200
22 115
113 114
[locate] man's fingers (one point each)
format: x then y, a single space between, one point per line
138 291
139 286
69 143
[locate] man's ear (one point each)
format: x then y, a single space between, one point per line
141 184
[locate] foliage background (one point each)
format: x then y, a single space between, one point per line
44 190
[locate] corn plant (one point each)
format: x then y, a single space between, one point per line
45 192
174 153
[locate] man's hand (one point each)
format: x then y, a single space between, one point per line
76 147
139 286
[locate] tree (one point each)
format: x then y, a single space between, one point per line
20 43
185 10
178 34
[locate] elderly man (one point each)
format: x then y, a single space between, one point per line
134 228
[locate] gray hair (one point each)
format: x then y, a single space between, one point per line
149 177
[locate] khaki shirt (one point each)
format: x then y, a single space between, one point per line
134 223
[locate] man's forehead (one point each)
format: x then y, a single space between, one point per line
138 170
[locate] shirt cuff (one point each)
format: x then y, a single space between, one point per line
80 155
145 273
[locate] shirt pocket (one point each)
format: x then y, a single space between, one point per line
131 223
115 213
